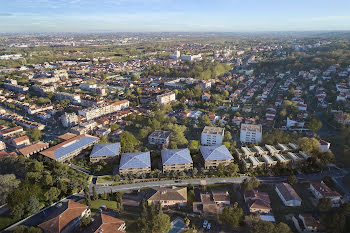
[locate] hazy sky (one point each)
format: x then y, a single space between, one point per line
173 15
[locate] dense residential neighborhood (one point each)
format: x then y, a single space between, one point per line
162 133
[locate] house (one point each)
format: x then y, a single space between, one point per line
251 133
20 142
211 204
288 195
65 218
212 136
206 96
104 151
258 202
11 131
307 223
106 224
321 190
215 155
27 151
168 197
135 163
324 145
159 137
70 148
176 160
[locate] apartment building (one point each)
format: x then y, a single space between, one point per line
103 109
73 98
43 89
251 133
16 88
11 131
176 160
70 148
69 119
215 155
166 98
159 137
135 163
104 151
212 136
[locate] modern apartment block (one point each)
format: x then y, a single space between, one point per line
73 98
212 136
176 160
103 109
251 133
215 155
166 98
69 119
159 137
135 163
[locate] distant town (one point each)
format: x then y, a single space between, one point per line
175 132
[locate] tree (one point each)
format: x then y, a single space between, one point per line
33 205
178 136
232 216
249 184
104 195
8 183
35 134
227 136
292 180
116 178
64 103
161 223
25 229
315 125
309 144
128 142
85 221
204 121
52 194
114 127
47 180
94 193
103 139
324 204
194 145
87 196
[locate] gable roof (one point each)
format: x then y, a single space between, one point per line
33 148
106 224
176 156
69 146
288 192
63 216
135 160
106 149
215 153
168 194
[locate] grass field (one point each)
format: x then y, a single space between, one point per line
104 179
6 221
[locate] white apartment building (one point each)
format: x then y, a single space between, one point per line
166 98
212 136
73 98
103 109
175 55
197 57
251 133
69 119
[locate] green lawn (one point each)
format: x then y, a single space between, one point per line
6 221
95 205
104 179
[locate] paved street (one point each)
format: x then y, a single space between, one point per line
335 173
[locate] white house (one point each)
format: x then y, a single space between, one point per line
288 195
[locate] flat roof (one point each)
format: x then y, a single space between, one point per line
213 130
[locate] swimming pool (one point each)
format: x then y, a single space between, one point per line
178 226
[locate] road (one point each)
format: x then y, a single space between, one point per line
43 215
334 173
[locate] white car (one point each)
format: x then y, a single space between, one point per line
205 223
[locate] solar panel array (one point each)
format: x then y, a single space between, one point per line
215 152
73 146
176 156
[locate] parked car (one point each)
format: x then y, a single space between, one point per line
208 226
205 223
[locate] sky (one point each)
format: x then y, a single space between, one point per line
173 15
